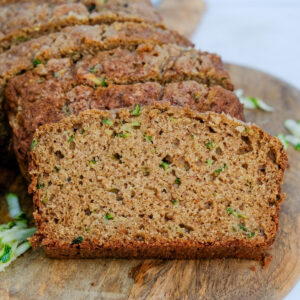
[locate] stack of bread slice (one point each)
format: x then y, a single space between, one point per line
133 140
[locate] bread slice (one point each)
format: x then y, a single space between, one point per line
66 86
83 39
73 42
35 104
159 182
32 19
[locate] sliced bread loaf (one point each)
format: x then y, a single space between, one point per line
24 20
61 87
32 104
73 42
160 181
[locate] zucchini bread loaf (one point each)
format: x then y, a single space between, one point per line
73 42
62 87
156 181
24 20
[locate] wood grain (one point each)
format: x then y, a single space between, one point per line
33 276
183 16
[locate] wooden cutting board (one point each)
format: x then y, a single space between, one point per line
33 276
183 16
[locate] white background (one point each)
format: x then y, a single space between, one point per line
262 34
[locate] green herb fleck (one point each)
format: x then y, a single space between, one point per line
177 181
107 122
82 131
209 162
71 138
251 234
196 96
45 200
56 75
192 136
94 68
124 135
242 227
235 213
149 138
175 202
234 229
101 82
34 142
21 38
136 124
36 62
109 216
239 215
164 165
209 145
230 211
40 186
218 171
57 168
114 190
92 162
247 130
77 240
136 110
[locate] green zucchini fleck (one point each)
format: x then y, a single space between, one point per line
209 145
109 216
164 165
218 171
136 111
36 62
77 241
209 162
242 227
33 144
107 122
177 181
71 138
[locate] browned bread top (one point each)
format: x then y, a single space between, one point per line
160 182
33 105
24 20
61 87
78 40
74 42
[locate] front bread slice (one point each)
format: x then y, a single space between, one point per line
155 181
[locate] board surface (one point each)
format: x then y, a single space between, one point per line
33 276
183 16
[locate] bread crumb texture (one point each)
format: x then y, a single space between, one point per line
155 181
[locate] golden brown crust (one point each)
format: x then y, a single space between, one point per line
75 41
240 248
180 250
